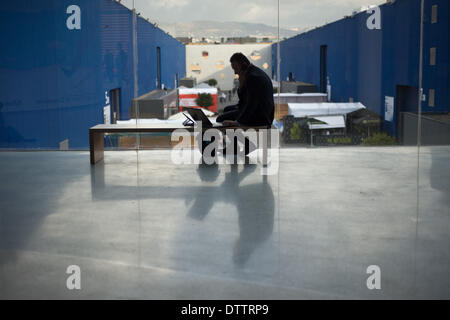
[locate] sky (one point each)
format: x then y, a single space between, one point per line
293 13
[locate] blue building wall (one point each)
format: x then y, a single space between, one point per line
54 82
173 57
368 65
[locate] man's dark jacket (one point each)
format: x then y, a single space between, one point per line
256 106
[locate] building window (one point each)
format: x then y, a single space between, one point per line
158 67
114 96
432 56
434 13
255 55
431 96
220 65
205 54
196 68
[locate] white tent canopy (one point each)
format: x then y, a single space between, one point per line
204 86
331 122
300 110
288 94
197 90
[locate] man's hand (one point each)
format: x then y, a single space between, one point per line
230 123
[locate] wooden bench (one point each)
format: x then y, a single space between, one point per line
97 133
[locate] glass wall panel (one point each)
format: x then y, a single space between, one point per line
353 199
380 71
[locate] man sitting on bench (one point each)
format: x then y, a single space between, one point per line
256 105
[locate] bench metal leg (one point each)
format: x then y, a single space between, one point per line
96 144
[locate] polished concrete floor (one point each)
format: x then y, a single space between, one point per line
141 227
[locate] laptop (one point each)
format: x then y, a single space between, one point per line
197 115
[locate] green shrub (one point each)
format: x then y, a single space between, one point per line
339 140
204 100
212 82
379 139
295 132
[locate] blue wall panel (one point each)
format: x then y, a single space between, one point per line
173 57
368 65
437 35
53 80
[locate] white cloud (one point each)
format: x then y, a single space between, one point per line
293 13
169 4
257 13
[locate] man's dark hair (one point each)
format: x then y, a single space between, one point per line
240 59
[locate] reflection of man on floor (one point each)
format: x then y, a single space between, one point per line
255 204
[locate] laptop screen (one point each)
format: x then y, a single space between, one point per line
199 116
188 116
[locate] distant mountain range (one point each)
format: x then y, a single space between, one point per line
216 30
